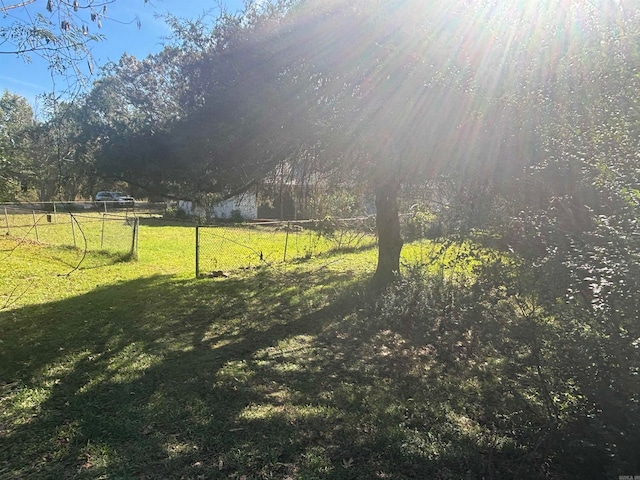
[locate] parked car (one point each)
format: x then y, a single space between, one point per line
115 199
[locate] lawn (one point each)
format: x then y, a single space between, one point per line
137 370
119 369
164 248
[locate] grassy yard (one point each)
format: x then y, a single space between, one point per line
121 369
136 370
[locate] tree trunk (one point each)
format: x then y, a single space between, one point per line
389 238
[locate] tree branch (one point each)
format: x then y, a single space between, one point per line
17 5
71 46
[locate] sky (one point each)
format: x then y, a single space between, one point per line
30 79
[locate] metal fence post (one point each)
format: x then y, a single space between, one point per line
6 218
286 242
35 225
73 231
197 251
102 233
134 238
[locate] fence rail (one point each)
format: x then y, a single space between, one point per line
139 207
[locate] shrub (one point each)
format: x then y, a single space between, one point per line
177 213
555 375
236 216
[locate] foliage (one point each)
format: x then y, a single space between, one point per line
338 202
59 31
62 156
50 159
345 234
175 212
560 379
177 116
420 223
236 216
574 221
16 118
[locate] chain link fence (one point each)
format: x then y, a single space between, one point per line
227 247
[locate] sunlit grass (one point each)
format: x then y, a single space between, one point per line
230 248
90 230
85 346
37 269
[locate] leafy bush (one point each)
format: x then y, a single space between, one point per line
551 376
177 213
236 216
345 234
338 203
421 223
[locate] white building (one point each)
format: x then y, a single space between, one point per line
246 204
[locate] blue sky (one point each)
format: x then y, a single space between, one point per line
34 78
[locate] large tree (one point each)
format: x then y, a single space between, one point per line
286 84
401 92
392 92
62 155
385 91
185 122
16 121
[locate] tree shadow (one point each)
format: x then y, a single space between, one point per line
117 381
275 375
150 221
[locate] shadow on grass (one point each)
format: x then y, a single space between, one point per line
261 377
139 378
167 222
75 257
103 258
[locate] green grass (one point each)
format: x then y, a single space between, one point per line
51 268
92 230
122 369
137 370
172 248
231 247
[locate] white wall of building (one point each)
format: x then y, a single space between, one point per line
247 204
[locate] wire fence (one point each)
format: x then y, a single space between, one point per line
81 206
83 231
221 248
67 238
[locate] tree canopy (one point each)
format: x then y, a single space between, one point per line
393 93
16 117
533 102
